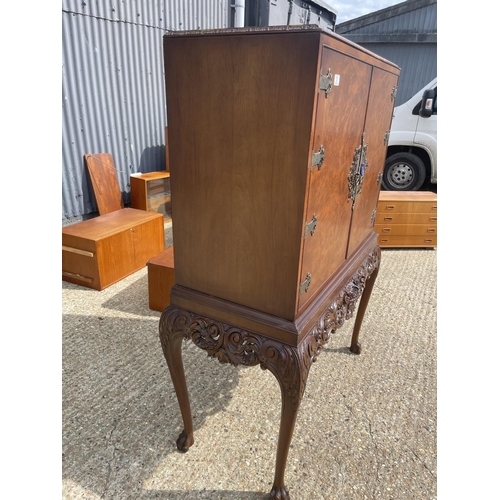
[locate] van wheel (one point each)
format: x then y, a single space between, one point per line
403 172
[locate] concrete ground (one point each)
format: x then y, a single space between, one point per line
366 428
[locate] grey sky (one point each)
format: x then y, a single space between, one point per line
350 9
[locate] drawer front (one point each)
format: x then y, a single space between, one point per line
80 267
396 218
407 241
410 207
406 229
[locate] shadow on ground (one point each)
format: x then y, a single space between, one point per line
120 416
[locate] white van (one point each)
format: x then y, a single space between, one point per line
411 160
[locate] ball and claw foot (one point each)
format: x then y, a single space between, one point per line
355 348
184 441
279 493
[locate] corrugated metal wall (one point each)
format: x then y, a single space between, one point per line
405 34
113 86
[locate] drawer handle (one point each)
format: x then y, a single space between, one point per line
384 240
388 218
434 207
431 230
386 229
433 219
389 207
428 241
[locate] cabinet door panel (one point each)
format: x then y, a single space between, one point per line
339 125
378 122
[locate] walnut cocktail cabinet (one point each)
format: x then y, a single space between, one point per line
277 140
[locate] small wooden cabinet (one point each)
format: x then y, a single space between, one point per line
99 252
407 219
161 279
151 191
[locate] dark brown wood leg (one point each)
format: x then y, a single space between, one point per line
171 336
363 303
291 367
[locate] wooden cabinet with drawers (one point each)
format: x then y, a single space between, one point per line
407 219
277 140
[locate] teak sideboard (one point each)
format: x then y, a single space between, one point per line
98 252
277 140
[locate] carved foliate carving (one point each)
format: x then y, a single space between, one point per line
289 364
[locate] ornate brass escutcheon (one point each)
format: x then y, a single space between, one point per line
356 175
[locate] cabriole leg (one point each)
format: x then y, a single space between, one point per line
290 366
171 336
363 303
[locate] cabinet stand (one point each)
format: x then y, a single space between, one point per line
289 364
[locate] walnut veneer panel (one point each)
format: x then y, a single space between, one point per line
342 114
378 120
239 150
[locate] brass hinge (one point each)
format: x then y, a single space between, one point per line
304 286
394 93
386 137
325 82
357 173
311 225
374 215
318 158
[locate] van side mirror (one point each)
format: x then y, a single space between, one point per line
427 103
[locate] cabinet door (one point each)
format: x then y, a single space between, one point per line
378 122
339 125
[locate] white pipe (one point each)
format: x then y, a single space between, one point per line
239 13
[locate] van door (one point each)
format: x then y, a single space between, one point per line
426 134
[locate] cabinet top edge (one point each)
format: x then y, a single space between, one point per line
259 30
407 196
248 30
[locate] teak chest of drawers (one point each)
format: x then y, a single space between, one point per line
407 219
277 139
99 252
